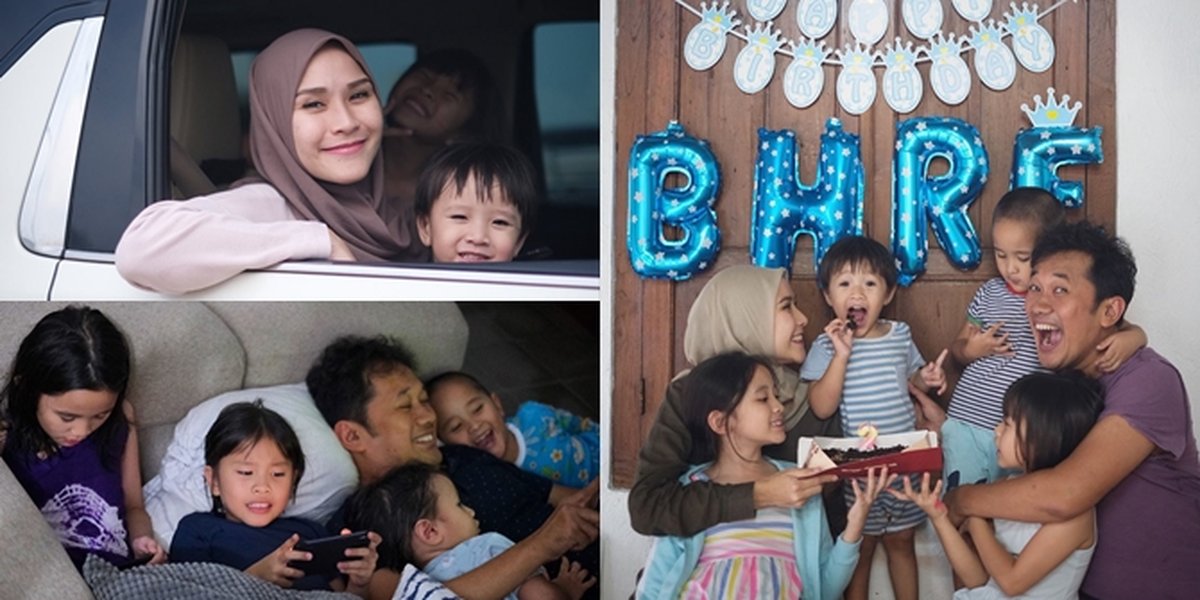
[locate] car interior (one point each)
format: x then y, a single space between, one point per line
542 54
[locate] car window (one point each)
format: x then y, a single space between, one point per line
566 65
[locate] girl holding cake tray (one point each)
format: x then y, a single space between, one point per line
752 310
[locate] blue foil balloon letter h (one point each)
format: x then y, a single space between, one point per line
785 208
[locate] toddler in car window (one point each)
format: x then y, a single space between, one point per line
476 202
68 436
540 439
425 523
253 463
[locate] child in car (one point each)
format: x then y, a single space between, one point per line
540 439
476 202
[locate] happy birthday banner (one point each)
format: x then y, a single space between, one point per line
868 21
784 208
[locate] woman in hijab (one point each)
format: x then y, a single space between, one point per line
315 130
752 310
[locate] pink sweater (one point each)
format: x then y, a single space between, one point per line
178 246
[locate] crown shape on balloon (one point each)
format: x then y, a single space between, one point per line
809 52
1052 113
856 57
1020 18
762 35
942 48
986 35
721 16
898 55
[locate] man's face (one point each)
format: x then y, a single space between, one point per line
403 424
1061 304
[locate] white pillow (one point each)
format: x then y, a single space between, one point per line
178 490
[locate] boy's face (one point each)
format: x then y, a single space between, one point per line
254 483
469 417
456 519
1013 241
462 228
858 294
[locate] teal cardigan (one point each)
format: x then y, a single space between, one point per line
825 567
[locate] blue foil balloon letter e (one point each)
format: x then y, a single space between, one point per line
1052 142
652 204
784 208
941 201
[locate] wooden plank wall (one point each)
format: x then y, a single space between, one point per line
655 85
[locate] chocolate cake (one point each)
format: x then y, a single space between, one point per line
842 456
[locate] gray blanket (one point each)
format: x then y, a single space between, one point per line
181 581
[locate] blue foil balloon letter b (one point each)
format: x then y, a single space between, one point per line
784 208
652 205
942 200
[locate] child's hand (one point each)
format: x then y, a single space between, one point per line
573 579
932 374
1117 348
274 566
841 336
146 545
930 501
988 342
358 572
877 481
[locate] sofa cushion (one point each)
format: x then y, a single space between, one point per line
179 489
33 563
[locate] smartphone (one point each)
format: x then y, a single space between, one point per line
327 552
136 562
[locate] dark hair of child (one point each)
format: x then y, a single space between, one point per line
473 78
242 425
392 506
1057 411
491 165
1031 206
858 252
340 380
74 348
716 384
432 385
1113 270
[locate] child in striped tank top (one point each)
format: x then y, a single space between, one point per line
996 344
731 408
865 365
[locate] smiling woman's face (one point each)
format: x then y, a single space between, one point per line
336 118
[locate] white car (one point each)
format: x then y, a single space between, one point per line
95 122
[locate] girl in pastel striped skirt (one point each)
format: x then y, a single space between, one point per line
732 411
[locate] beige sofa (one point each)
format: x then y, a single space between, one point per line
185 353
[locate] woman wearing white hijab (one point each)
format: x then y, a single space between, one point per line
752 310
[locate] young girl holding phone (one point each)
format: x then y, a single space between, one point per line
253 463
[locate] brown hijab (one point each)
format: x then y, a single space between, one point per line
736 312
358 213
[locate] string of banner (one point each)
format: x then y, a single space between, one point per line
868 21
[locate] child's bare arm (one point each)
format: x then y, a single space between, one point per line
1118 347
558 493
540 588
1048 548
137 520
825 393
962 558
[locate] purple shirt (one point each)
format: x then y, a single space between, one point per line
81 499
1149 524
